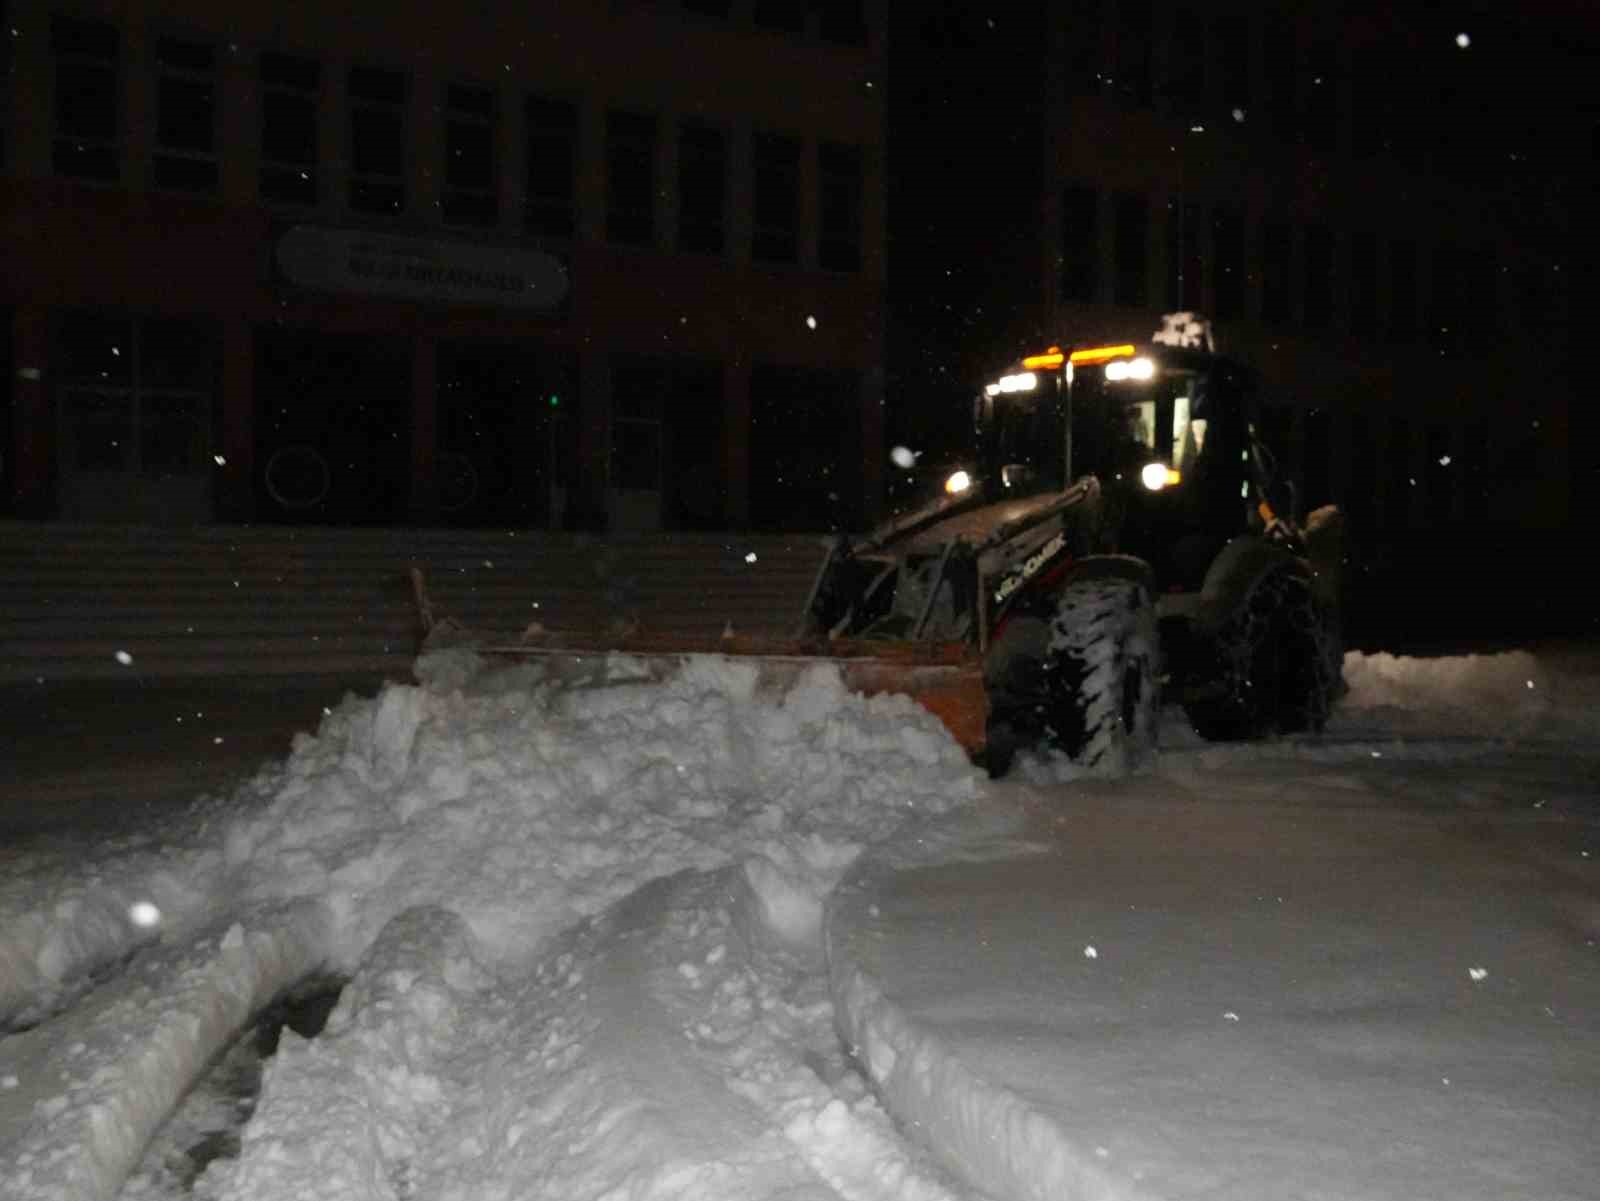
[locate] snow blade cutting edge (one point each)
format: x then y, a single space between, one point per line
945 678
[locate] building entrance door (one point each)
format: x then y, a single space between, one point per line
135 414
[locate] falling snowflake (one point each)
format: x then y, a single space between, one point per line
1090 953
1478 974
124 658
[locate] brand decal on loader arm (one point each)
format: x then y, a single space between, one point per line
1030 567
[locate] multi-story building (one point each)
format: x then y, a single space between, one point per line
1372 210
615 265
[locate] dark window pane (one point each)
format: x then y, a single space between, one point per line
636 456
172 434
839 245
805 449
290 71
1227 234
1187 69
630 178
702 187
1403 290
1281 67
195 57
188 110
95 347
289 129
1275 250
789 16
377 85
1233 57
1319 277
841 22
1322 98
1135 35
1364 283
720 9
100 430
552 153
289 107
1185 267
185 174
1080 244
84 39
179 354
471 184
1085 64
776 160
1131 236
86 101
378 142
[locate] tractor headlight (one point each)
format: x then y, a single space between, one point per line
1157 476
958 483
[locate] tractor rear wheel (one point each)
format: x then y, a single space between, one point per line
1274 663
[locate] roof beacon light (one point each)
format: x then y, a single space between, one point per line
1049 359
1100 354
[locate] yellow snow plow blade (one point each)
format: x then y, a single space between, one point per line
945 678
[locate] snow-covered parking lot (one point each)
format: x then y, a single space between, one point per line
577 941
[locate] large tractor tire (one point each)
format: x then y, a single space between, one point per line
1103 667
1275 662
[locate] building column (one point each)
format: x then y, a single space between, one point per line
33 413
873 451
236 495
424 491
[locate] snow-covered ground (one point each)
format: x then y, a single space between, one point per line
580 931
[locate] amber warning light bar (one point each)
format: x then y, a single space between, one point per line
1089 354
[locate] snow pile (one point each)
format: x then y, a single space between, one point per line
522 805
1509 695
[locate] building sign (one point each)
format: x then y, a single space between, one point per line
377 264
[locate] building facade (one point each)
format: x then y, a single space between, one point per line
613 266
1373 213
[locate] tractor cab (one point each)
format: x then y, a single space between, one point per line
1165 427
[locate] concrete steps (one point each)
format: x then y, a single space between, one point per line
236 600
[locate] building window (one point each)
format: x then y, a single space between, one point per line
471 180
1084 65
667 437
842 22
552 133
1447 297
136 396
1368 119
1227 242
702 188
186 116
1233 63
1364 283
1135 34
1080 244
1185 264
1280 54
1363 490
785 16
719 10
1402 480
630 178
1403 290
377 140
840 180
776 167
87 98
1132 235
1186 67
1322 97
1275 273
290 88
805 449
1319 277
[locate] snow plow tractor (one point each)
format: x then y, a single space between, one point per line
1118 534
